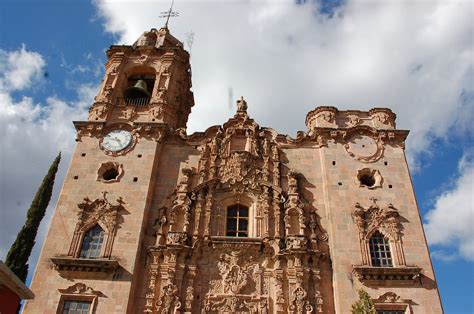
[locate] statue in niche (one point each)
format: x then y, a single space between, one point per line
266 147
275 154
249 143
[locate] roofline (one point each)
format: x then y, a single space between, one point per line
12 282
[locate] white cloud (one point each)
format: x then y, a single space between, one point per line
412 56
450 222
31 135
19 68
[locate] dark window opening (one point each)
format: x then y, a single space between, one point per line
237 221
92 243
380 251
367 180
390 312
110 174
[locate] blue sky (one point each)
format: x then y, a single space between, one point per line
416 58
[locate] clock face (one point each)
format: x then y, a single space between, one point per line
117 140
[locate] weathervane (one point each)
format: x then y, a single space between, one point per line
168 14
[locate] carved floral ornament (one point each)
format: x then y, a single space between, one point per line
99 111
299 304
99 210
386 220
169 300
81 289
240 285
390 301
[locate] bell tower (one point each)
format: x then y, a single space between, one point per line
149 81
93 257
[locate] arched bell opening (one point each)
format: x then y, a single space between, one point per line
139 89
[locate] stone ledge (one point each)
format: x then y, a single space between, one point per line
246 240
387 275
84 265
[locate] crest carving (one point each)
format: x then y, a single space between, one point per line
373 218
99 210
81 289
235 272
299 304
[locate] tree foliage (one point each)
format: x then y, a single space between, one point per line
365 304
17 258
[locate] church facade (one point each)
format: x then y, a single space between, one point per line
235 219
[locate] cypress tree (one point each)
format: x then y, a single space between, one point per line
364 305
17 258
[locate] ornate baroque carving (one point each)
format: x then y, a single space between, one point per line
99 211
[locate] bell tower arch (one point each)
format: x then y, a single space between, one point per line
149 81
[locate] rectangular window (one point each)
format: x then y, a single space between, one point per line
390 312
380 251
76 307
237 221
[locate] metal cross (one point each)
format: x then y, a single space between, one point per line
168 14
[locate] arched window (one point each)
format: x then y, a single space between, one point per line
92 242
237 221
380 254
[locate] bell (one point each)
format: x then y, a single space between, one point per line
139 90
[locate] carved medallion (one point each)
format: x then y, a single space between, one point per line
364 148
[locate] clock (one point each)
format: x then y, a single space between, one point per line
117 140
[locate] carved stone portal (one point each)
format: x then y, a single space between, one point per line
196 268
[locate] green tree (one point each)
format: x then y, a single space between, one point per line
17 258
364 305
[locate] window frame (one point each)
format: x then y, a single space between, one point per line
386 244
66 301
103 243
238 218
404 308
77 298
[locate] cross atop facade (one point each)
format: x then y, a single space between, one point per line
169 13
